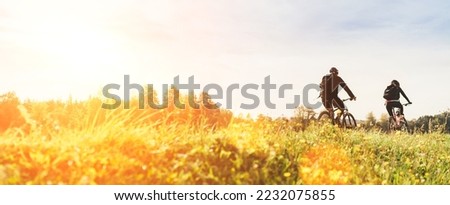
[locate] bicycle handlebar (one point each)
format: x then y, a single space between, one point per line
347 99
406 104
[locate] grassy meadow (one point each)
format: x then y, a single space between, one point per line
77 142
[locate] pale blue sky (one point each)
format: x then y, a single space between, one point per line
53 49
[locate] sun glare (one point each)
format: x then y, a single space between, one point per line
79 47
78 54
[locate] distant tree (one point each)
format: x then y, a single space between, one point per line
436 123
384 122
370 120
303 112
302 117
446 124
10 115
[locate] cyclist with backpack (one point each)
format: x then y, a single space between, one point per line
329 88
392 96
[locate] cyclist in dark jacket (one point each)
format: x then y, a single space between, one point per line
329 91
392 96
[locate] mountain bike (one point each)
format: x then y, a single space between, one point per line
343 119
398 122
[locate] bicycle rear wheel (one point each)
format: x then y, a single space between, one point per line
324 116
348 121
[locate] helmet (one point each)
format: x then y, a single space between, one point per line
333 69
395 82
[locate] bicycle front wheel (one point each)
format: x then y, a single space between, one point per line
348 121
404 127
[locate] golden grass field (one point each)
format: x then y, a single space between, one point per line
80 143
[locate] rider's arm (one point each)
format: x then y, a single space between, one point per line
404 95
346 88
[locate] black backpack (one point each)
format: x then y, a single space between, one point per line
325 85
389 93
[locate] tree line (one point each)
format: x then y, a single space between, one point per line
424 124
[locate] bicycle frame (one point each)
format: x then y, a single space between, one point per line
343 119
398 120
345 110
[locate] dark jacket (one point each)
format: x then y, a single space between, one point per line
394 93
330 86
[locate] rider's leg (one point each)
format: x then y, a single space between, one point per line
330 111
389 107
400 106
337 102
326 100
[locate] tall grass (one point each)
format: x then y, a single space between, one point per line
79 143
